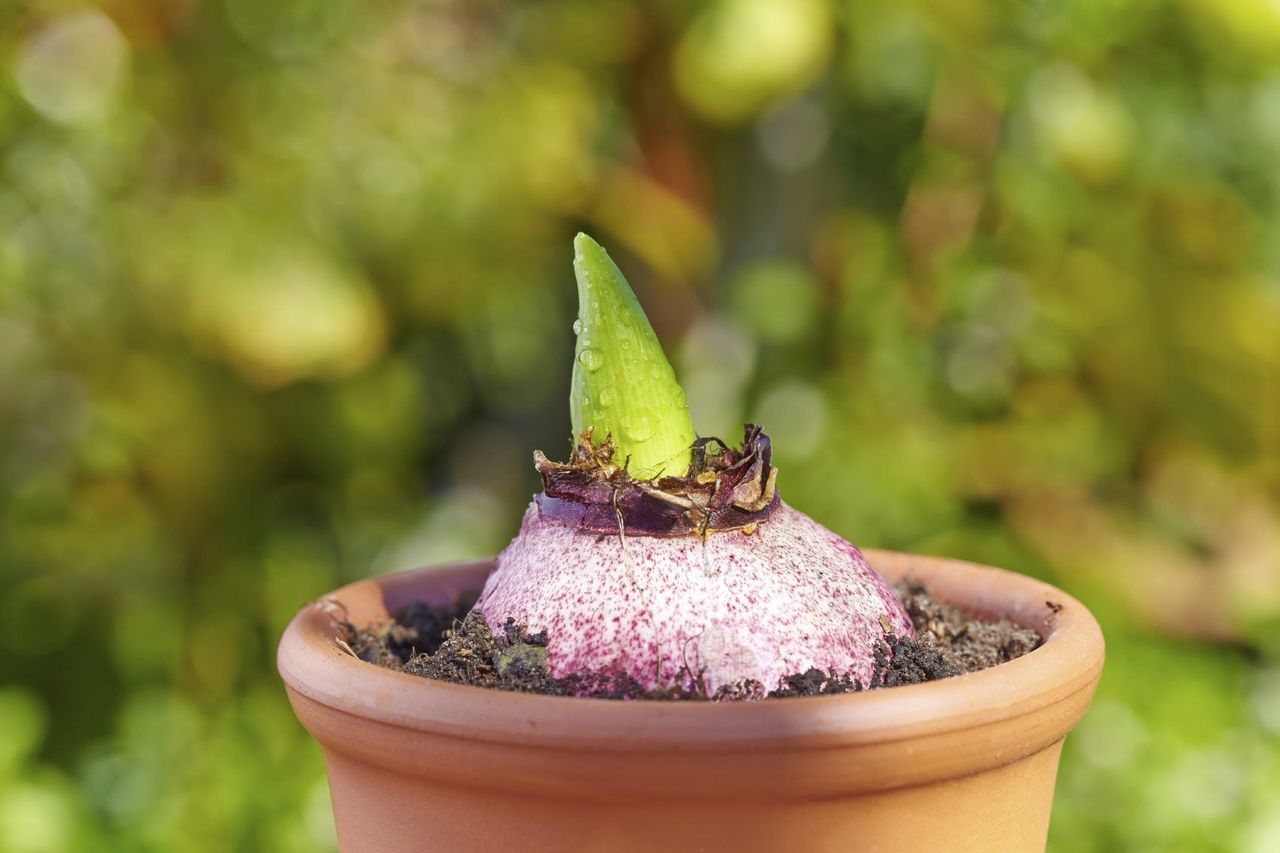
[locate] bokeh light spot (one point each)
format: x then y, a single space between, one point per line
22 720
71 69
35 817
295 315
1079 124
796 413
793 134
739 55
778 301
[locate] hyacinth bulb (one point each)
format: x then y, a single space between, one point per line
657 558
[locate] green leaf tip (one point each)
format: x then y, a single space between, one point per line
623 385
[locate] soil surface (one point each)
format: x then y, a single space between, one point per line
455 644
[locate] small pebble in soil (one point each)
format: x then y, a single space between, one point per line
455 644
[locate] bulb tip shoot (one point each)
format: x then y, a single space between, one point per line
623 386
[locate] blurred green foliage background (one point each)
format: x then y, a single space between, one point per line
285 301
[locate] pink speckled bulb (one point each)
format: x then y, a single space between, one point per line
666 559
731 606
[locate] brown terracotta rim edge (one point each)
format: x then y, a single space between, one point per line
845 725
791 743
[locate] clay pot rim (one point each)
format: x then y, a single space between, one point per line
1066 665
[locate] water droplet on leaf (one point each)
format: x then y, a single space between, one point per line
590 359
640 427
608 397
577 327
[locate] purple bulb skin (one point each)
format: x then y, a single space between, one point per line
722 609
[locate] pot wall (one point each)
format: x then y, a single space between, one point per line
967 763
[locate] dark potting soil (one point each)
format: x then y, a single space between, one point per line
452 643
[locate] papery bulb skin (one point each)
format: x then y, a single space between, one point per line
728 607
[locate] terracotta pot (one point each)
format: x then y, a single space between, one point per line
966 763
